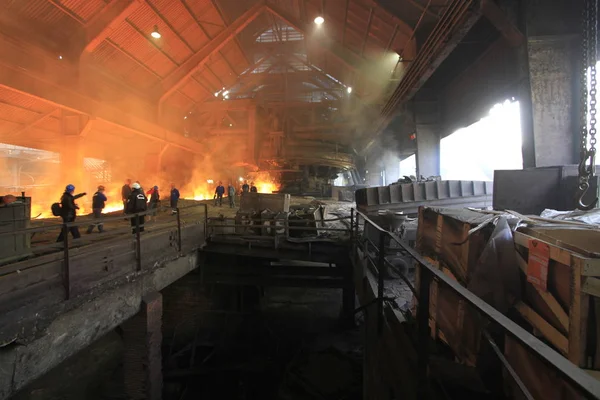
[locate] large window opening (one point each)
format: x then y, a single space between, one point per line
408 166
494 142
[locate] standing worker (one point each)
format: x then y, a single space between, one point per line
68 210
125 192
253 188
154 200
98 202
231 194
245 187
174 199
137 203
220 191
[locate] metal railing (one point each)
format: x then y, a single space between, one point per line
583 383
135 230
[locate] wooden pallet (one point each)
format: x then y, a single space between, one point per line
566 311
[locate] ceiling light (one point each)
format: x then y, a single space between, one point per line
216 94
349 89
225 93
319 20
241 179
60 57
185 117
226 97
155 33
230 124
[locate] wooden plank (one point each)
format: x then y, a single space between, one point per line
591 286
578 316
547 330
552 303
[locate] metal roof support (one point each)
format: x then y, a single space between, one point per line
100 27
67 98
172 82
349 58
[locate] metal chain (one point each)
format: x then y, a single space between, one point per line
593 31
583 77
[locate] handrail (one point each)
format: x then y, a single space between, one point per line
136 231
574 375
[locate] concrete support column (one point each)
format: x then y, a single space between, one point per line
71 162
251 140
428 150
553 53
142 364
554 80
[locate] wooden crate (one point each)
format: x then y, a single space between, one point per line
567 312
442 238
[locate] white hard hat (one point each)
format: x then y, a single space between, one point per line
136 185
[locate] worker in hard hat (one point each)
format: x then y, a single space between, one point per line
137 203
154 200
219 192
98 202
174 199
231 194
125 192
68 211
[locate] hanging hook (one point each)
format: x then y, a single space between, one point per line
582 190
585 173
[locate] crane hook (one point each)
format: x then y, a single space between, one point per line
582 190
585 173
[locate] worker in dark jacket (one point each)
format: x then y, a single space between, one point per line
68 211
125 192
231 194
154 200
219 191
245 187
253 188
174 199
98 203
6 200
137 203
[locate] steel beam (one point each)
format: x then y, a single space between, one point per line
172 82
349 58
31 124
67 98
499 19
101 26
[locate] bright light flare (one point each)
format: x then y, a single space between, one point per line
155 33
241 179
210 181
319 20
349 89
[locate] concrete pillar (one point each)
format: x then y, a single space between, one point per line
553 78
428 150
71 162
251 140
553 59
142 364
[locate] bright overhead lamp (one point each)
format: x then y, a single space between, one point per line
319 20
155 33
225 93
216 94
349 89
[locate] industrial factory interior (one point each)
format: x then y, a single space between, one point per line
299 200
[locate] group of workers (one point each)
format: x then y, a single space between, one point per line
134 201
220 191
